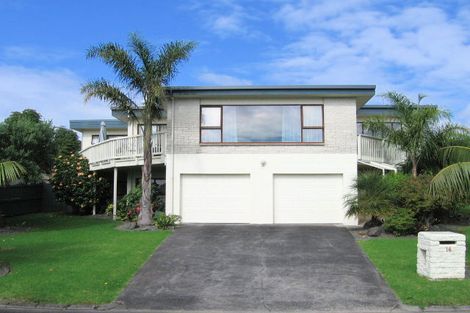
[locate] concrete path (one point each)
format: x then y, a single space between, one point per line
259 268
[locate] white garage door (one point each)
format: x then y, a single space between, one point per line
215 198
308 199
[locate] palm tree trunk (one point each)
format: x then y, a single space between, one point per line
414 169
146 213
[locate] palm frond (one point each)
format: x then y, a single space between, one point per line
122 62
10 171
143 50
105 91
421 96
455 154
453 180
171 54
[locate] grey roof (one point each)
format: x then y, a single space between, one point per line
177 89
80 125
318 90
375 109
362 93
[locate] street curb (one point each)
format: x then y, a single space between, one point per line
120 308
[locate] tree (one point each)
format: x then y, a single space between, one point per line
28 140
419 127
74 184
10 171
454 179
66 141
145 72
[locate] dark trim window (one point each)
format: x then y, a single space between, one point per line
155 128
211 124
96 138
262 124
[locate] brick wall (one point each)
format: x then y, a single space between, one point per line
340 127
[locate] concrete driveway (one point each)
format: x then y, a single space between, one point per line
258 268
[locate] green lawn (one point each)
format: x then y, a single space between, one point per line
71 260
396 261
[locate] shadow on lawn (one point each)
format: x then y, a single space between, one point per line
53 222
42 253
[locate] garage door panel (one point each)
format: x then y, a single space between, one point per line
214 198
308 198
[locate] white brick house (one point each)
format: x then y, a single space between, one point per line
255 154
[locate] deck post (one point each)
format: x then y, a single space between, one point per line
115 181
359 147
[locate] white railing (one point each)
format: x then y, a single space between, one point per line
373 149
123 149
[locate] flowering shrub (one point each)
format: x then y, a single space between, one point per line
74 183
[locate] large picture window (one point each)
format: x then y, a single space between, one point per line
262 124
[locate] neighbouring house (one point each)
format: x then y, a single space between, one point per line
254 154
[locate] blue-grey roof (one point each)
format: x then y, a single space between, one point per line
362 93
374 109
80 125
273 87
273 90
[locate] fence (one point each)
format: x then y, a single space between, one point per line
25 199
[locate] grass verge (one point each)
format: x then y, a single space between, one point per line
71 259
395 258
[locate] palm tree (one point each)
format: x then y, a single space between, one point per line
454 179
373 197
143 72
10 171
419 124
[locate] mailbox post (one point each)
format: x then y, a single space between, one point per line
441 255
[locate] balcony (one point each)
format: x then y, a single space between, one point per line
128 151
376 152
124 151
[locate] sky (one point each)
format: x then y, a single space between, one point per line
410 47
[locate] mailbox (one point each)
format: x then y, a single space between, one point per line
441 255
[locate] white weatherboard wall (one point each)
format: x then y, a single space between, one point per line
252 195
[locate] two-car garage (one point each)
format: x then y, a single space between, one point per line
234 198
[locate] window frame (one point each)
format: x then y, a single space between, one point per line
94 137
303 127
221 128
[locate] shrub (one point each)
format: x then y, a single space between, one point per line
128 207
74 184
164 221
401 223
373 197
383 197
414 194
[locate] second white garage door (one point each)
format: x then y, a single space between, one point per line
308 198
214 198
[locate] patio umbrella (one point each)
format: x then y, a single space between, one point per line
103 135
